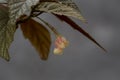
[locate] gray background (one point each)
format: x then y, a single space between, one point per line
82 59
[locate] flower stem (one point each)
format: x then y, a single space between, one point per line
50 26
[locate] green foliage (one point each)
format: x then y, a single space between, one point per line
13 13
7 30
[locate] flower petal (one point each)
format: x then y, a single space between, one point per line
58 51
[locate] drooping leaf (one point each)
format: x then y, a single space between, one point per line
75 26
38 35
60 9
20 7
7 30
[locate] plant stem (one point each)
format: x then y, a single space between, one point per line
50 26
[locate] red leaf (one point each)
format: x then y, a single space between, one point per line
77 27
38 35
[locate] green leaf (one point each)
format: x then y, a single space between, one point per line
60 9
3 1
20 7
70 3
39 37
7 30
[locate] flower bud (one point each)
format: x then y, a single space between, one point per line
60 44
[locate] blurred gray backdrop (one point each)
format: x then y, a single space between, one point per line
82 59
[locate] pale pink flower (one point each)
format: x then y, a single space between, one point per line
60 44
58 51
